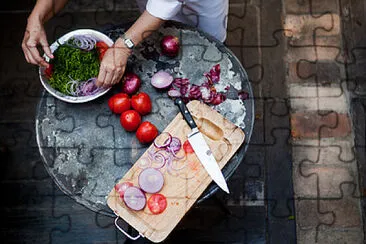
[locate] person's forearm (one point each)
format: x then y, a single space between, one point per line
142 28
46 9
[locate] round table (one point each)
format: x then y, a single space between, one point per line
83 146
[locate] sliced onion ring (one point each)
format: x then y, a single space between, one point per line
175 145
144 163
166 141
159 158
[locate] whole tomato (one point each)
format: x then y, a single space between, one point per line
119 103
49 71
146 132
102 48
141 103
130 120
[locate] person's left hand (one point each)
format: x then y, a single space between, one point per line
113 65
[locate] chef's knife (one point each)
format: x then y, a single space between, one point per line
201 148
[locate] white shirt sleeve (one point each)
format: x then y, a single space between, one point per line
163 9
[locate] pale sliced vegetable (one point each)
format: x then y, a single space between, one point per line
151 180
134 198
161 79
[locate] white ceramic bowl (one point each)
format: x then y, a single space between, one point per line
82 99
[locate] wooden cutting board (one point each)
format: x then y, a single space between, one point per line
181 187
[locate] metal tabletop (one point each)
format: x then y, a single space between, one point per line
85 149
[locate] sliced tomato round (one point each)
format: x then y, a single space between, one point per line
187 147
157 203
122 187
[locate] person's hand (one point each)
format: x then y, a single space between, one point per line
113 65
35 36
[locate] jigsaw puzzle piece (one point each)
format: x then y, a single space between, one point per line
312 219
84 227
317 125
307 29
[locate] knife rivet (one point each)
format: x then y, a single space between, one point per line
186 111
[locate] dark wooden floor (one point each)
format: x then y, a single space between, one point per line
34 210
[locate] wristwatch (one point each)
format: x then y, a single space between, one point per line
128 42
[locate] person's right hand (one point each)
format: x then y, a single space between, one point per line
34 36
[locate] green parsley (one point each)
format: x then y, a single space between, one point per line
71 63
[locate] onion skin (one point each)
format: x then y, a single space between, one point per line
170 46
206 92
131 83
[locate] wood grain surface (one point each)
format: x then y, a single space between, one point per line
181 187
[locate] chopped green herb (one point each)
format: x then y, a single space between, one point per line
73 63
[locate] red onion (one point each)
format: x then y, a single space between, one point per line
144 163
243 95
85 42
72 87
177 168
172 172
159 159
165 137
194 92
134 198
84 88
174 145
161 79
174 93
206 92
88 88
151 180
218 98
131 83
170 46
214 74
179 82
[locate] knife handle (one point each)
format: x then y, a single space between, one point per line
185 112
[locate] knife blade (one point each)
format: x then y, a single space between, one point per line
201 148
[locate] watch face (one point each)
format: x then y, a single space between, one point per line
129 43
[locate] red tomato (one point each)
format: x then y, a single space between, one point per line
122 187
146 132
187 147
141 103
130 120
102 48
157 203
119 103
49 71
